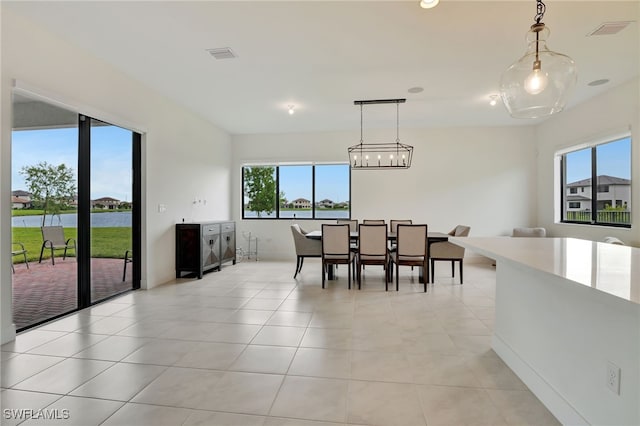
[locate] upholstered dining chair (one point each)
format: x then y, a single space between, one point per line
353 224
411 250
305 247
372 249
53 239
448 251
374 222
336 249
393 224
529 232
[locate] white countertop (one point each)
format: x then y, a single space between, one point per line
609 268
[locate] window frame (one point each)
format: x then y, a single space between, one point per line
313 189
593 210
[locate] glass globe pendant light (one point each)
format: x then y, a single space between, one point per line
540 83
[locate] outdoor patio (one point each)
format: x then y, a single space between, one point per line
45 290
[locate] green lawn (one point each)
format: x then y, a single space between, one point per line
105 242
37 212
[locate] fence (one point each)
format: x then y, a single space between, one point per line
602 216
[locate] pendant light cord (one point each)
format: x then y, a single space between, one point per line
361 124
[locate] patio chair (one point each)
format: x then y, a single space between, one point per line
53 238
16 252
128 258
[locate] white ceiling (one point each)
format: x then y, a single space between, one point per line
321 56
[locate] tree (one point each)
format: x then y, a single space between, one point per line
52 186
283 199
260 189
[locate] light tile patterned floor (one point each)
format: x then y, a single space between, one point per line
251 346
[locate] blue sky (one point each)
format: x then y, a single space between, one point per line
111 157
614 159
332 182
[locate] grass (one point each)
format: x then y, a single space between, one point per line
105 242
38 212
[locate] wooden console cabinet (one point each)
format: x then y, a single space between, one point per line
203 246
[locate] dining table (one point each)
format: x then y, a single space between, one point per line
432 237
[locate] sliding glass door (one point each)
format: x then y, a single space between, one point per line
44 181
111 210
76 211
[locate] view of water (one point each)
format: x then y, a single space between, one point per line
70 220
301 214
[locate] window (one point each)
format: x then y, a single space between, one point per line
299 191
608 165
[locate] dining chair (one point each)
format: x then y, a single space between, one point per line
53 238
448 251
336 249
372 250
353 224
529 232
374 222
411 250
128 258
393 224
305 247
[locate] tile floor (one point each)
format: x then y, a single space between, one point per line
251 346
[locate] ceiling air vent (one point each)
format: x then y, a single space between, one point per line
608 28
222 53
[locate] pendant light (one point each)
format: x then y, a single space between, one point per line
539 83
380 155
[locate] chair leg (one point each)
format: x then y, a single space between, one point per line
460 271
301 263
297 266
433 268
453 269
25 260
41 252
425 266
397 276
53 260
323 266
349 267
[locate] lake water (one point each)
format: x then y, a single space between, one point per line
302 214
98 220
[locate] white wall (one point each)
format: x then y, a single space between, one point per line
602 116
184 156
481 177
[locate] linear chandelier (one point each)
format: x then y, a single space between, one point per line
539 83
371 156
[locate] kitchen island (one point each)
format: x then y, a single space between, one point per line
567 314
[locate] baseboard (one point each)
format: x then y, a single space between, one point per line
559 407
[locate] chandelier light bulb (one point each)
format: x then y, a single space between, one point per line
494 100
428 4
537 80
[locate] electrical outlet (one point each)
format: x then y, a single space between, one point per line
613 378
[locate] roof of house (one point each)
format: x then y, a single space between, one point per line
602 180
15 199
105 199
326 200
21 193
301 200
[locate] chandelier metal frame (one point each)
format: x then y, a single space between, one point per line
376 156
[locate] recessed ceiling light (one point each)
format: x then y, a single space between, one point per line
598 82
291 109
415 90
494 100
428 4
